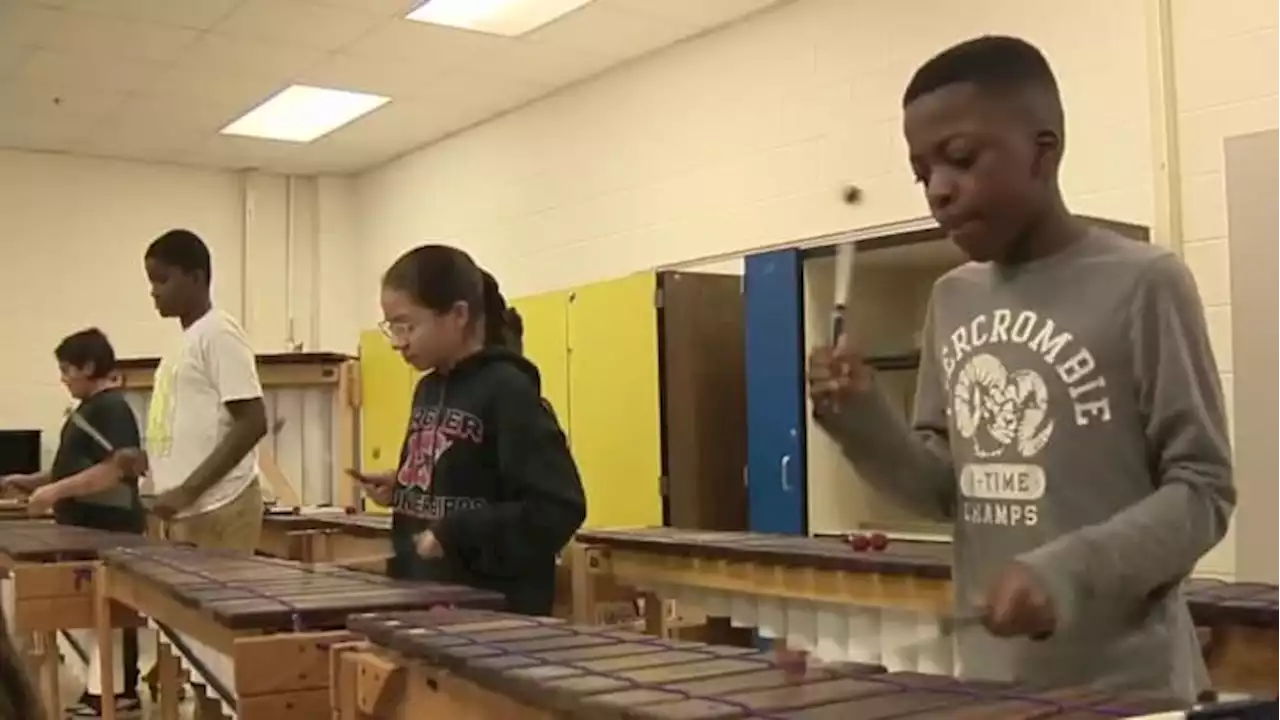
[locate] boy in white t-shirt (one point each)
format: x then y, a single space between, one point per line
206 416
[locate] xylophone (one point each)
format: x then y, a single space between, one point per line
1241 623
816 593
326 534
52 571
492 665
13 510
253 630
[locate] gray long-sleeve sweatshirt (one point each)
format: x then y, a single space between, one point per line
1068 416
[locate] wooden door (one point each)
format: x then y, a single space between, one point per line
613 400
704 399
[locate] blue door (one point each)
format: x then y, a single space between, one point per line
775 392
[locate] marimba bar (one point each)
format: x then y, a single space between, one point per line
451 664
255 630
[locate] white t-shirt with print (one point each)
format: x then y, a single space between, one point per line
188 416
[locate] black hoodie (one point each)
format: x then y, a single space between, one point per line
486 467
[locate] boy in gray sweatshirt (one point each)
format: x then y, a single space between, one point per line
1068 418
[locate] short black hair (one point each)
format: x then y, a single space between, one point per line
183 250
992 63
87 348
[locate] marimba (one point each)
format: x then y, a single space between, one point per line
1241 620
13 510
816 593
490 665
254 631
52 571
327 535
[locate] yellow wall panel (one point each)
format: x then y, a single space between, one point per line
546 344
386 394
613 400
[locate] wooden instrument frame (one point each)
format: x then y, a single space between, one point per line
374 683
324 540
53 596
278 676
757 578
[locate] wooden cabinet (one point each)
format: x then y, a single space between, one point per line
653 394
646 375
386 394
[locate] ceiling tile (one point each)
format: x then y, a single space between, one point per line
479 94
42 130
47 3
26 25
238 153
408 46
397 123
702 14
603 29
56 98
363 73
107 74
134 134
207 102
385 8
86 34
297 22
219 54
11 58
546 64
196 14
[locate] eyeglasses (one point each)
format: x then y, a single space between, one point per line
396 330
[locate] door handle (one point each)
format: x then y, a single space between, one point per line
783 467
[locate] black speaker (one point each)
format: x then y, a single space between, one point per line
19 451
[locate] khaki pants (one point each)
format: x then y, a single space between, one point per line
234 526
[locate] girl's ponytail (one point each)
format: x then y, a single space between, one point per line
495 312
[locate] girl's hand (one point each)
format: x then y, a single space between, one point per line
428 547
372 479
380 487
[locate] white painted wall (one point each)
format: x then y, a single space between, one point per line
745 138
74 231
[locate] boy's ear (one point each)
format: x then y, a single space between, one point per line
1048 153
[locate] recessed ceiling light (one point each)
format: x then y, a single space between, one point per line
496 17
301 113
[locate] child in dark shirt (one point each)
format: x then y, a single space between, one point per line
87 486
487 493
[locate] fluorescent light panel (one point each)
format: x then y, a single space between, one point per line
301 113
496 17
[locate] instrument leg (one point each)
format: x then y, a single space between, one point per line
50 686
169 680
